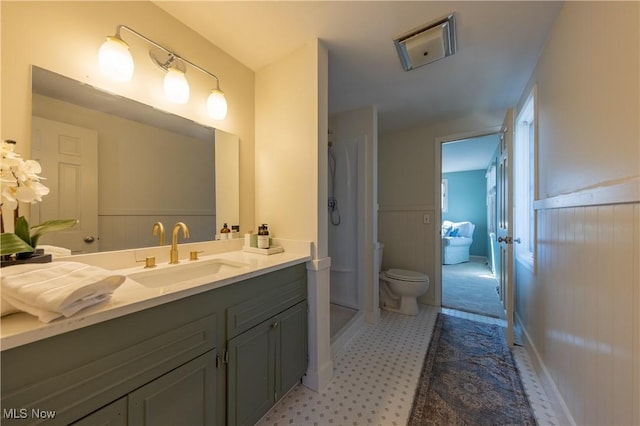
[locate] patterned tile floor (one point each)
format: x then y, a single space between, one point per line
376 376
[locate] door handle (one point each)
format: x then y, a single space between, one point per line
509 240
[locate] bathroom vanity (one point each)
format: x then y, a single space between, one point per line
202 354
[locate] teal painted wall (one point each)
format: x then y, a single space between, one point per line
467 201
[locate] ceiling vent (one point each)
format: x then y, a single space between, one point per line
427 44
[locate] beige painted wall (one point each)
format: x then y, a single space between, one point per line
291 136
406 192
588 89
64 37
581 307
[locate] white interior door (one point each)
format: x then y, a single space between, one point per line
505 220
69 159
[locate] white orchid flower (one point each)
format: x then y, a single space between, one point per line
19 178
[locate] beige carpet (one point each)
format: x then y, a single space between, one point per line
471 287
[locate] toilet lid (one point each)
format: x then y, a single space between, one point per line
404 275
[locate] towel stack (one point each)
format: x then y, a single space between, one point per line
52 290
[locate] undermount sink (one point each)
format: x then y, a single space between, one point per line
175 274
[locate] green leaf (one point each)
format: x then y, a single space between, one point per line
22 230
50 226
11 243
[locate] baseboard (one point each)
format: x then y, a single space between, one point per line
559 406
479 259
316 380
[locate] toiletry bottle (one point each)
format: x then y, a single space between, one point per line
225 232
263 237
247 239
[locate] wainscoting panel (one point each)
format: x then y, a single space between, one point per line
582 309
408 242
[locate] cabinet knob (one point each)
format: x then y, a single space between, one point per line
275 324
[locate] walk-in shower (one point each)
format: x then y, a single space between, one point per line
345 172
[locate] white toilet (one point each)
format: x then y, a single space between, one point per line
400 288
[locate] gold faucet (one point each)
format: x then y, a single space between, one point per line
158 227
173 254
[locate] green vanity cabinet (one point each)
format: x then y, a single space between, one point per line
264 363
165 365
114 414
180 397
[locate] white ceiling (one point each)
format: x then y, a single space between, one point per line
498 46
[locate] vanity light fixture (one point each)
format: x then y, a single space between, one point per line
116 62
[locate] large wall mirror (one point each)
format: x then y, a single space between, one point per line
119 166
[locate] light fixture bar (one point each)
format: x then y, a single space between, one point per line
171 53
116 62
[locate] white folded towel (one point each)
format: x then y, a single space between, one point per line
52 290
55 251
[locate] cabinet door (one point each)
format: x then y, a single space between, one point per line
184 396
114 414
292 351
251 374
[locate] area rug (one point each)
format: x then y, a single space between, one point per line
469 377
471 287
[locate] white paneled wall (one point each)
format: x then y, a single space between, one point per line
582 309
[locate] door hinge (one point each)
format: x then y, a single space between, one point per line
217 360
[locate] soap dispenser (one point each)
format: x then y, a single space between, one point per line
225 232
263 236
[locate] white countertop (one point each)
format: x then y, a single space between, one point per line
21 328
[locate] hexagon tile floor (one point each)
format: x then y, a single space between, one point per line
375 377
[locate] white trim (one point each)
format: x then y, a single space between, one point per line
155 212
445 198
406 208
527 261
319 264
624 191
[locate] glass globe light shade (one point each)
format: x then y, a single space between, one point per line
114 59
217 105
176 86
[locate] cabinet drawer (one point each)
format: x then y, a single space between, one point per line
252 312
76 390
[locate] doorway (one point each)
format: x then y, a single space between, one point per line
468 220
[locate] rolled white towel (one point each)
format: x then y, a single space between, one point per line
51 290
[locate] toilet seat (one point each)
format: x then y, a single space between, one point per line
405 275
